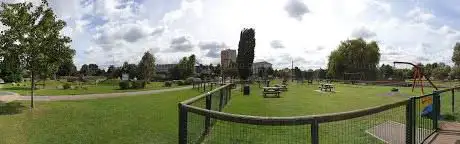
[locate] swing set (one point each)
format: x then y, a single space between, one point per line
417 76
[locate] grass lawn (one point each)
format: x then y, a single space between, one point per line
51 88
154 118
127 120
303 100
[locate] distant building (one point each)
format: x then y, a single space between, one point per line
163 68
227 56
258 65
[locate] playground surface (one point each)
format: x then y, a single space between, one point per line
153 118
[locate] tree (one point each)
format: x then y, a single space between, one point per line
455 72
297 73
130 69
93 69
231 70
442 71
270 71
33 35
354 56
146 67
84 70
386 71
67 69
456 54
111 72
245 56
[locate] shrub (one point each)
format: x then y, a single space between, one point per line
180 82
138 84
124 85
66 86
189 80
168 84
72 79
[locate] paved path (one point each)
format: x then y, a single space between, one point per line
449 133
97 96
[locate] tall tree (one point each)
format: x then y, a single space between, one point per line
245 56
84 70
67 69
93 69
354 56
146 67
456 54
33 35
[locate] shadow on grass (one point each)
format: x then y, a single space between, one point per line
11 108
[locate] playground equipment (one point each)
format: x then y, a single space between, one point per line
427 102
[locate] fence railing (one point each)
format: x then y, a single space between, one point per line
201 120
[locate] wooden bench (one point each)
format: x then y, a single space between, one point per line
271 90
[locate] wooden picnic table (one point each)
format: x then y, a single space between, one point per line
271 90
326 87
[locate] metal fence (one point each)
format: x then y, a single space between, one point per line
201 120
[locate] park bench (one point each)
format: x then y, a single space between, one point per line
326 87
271 91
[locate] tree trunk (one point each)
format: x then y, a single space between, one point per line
32 90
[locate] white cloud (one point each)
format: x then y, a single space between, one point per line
122 30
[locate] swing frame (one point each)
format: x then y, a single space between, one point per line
417 76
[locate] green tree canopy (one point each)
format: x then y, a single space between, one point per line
33 36
456 54
353 56
146 67
245 56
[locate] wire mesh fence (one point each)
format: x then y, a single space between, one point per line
409 121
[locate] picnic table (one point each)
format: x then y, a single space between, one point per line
326 87
271 90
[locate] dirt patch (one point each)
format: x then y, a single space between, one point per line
394 94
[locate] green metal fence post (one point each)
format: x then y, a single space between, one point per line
410 121
221 100
314 132
436 109
453 100
207 121
182 124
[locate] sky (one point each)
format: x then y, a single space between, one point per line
109 32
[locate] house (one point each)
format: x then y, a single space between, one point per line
260 65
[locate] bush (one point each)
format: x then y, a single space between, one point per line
138 84
72 79
168 84
189 80
124 85
180 82
66 86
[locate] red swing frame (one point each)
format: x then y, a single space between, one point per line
417 76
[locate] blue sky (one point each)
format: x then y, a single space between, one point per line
113 31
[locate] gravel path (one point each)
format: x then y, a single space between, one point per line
97 96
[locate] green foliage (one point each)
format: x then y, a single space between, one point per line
66 86
67 69
139 84
386 71
167 83
354 56
455 73
146 67
124 85
130 69
180 82
456 54
189 80
245 56
441 72
34 38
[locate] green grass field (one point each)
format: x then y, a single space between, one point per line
154 118
51 88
